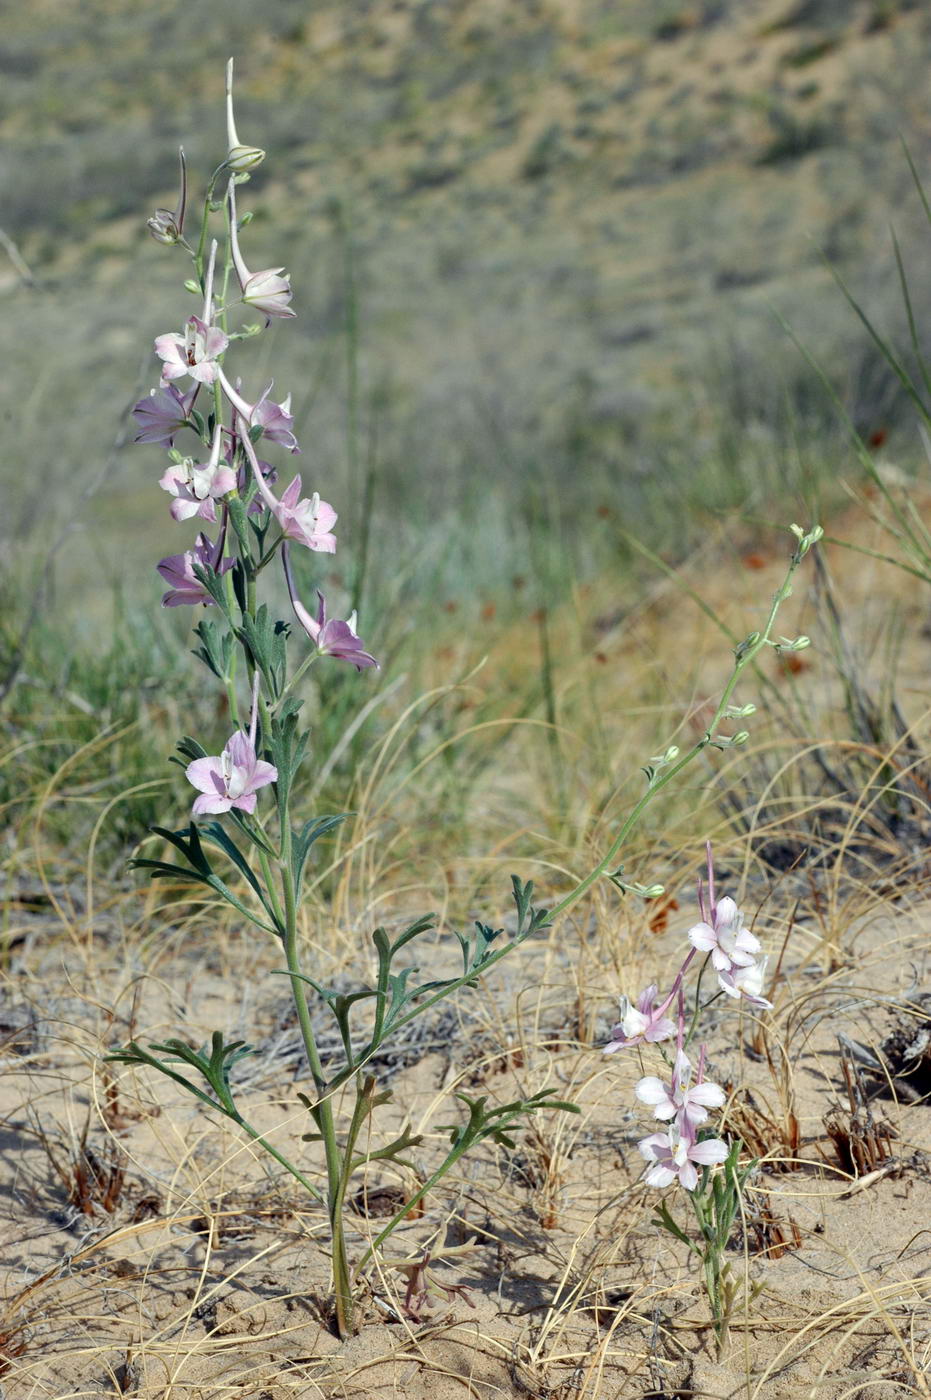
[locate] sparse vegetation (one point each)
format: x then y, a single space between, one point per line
536 359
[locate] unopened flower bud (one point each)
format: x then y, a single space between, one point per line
740 737
239 158
242 158
669 756
167 225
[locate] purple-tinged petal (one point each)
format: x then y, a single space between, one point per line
239 750
688 1176
651 1091
703 937
655 1146
709 1152
206 775
706 1093
206 805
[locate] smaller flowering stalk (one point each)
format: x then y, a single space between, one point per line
167 225
275 419
330 636
177 570
267 290
232 779
308 520
239 158
679 1155
196 489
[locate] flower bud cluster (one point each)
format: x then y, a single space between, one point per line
680 1100
223 482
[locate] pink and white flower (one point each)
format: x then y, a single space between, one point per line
644 1022
730 944
193 352
679 1098
747 982
196 350
163 413
197 488
330 636
307 520
178 570
275 419
267 290
231 779
677 1157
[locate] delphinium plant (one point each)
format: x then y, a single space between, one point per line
244 818
687 1152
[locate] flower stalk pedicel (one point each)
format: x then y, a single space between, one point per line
685 1154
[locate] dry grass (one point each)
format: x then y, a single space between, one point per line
149 1250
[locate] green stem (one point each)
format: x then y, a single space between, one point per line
451 1158
278 1156
747 653
299 674
269 554
231 700
323 1111
205 222
270 886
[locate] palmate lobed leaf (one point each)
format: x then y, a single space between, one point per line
311 832
265 640
199 869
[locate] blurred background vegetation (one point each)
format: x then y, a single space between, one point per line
541 252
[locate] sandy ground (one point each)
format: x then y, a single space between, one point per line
203 1274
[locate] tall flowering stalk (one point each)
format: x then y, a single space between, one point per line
243 816
687 1152
223 484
